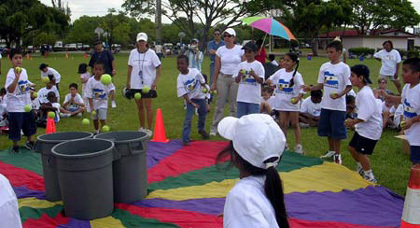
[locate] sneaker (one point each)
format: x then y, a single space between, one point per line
213 132
149 132
65 115
370 178
328 154
30 145
337 158
14 149
304 125
114 105
204 134
299 149
196 112
79 115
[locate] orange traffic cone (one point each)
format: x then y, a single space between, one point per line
411 212
86 55
28 56
67 55
159 134
50 126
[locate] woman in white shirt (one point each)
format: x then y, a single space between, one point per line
144 69
227 59
390 59
257 199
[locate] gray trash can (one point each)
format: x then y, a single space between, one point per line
85 176
130 168
43 145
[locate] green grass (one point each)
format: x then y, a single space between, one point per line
390 164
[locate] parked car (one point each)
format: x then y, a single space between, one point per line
115 48
85 47
58 46
72 47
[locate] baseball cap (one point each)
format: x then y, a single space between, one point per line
42 66
141 36
362 70
194 40
255 137
250 46
97 41
230 31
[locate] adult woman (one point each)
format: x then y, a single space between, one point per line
390 59
144 69
257 144
227 59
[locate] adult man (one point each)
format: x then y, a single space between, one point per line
212 46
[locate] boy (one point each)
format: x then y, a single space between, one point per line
310 109
334 79
190 84
49 87
411 102
51 106
73 103
368 122
50 72
18 96
97 94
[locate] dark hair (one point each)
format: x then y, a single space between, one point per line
294 58
316 93
337 45
82 68
361 71
42 66
15 51
205 77
413 63
73 85
273 186
99 62
51 95
267 89
350 99
259 43
3 91
271 57
389 42
184 57
216 30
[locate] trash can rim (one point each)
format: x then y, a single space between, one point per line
63 140
122 141
82 155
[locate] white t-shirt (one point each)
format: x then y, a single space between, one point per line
9 208
389 61
399 112
190 84
411 102
77 99
368 109
275 63
351 93
335 78
249 90
35 104
57 106
98 92
146 63
84 76
43 94
385 108
310 107
284 93
52 71
247 205
229 58
3 106
21 96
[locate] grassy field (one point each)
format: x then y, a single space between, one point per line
390 164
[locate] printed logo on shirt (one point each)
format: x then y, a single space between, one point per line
316 112
191 84
99 94
389 57
408 110
248 79
284 87
23 86
330 80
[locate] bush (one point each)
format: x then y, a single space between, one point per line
362 50
402 52
413 53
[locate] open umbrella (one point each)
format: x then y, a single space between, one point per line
270 26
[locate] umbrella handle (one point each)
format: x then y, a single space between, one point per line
262 45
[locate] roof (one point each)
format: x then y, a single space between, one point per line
376 32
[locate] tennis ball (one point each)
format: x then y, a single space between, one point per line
243 71
45 79
137 96
18 69
205 90
85 121
106 79
34 94
93 113
214 92
27 108
145 89
402 124
293 100
51 115
105 128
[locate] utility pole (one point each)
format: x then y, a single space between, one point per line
158 22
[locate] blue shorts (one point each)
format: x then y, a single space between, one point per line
415 154
24 121
331 124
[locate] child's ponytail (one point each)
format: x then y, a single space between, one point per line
294 58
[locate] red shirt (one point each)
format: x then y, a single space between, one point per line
261 57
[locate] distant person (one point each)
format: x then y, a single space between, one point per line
261 53
73 104
344 54
159 50
310 109
51 105
391 60
46 71
84 77
212 47
272 59
194 55
49 87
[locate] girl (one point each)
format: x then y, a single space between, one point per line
256 146
288 83
84 76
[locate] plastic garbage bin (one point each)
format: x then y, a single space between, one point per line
85 177
130 169
44 144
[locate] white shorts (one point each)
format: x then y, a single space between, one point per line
100 113
390 77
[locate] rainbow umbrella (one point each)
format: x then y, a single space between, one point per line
270 26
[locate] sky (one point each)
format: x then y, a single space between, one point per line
100 7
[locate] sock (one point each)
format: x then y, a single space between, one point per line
369 173
359 166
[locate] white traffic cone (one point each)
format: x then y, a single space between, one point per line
411 213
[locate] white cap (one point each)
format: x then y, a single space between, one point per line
256 137
230 31
337 38
141 36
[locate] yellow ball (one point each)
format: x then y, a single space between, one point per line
18 69
105 128
145 89
34 94
137 96
45 79
27 108
106 79
51 115
205 90
93 113
85 121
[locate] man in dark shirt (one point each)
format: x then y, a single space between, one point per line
105 56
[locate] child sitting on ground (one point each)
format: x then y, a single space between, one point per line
350 107
3 111
51 106
73 103
50 87
388 109
310 109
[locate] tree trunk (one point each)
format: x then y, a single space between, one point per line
314 45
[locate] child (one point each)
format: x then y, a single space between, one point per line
390 59
411 102
388 110
190 83
73 103
334 79
49 87
50 72
272 59
250 75
350 107
289 82
368 122
382 82
51 106
3 111
18 96
97 94
257 199
267 100
194 55
310 109
84 76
